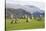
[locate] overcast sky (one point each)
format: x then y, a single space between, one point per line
27 2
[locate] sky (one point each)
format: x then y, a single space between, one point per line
41 5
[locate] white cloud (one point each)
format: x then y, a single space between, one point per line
27 2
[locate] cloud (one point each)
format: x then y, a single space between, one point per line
26 2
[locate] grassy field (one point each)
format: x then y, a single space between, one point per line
22 24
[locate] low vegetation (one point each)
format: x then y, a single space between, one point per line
23 24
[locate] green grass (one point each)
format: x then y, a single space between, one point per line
22 24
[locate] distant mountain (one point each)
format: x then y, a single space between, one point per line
28 8
38 14
20 10
33 8
36 11
17 12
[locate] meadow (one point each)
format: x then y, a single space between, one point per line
22 24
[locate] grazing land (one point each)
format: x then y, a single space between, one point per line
22 24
